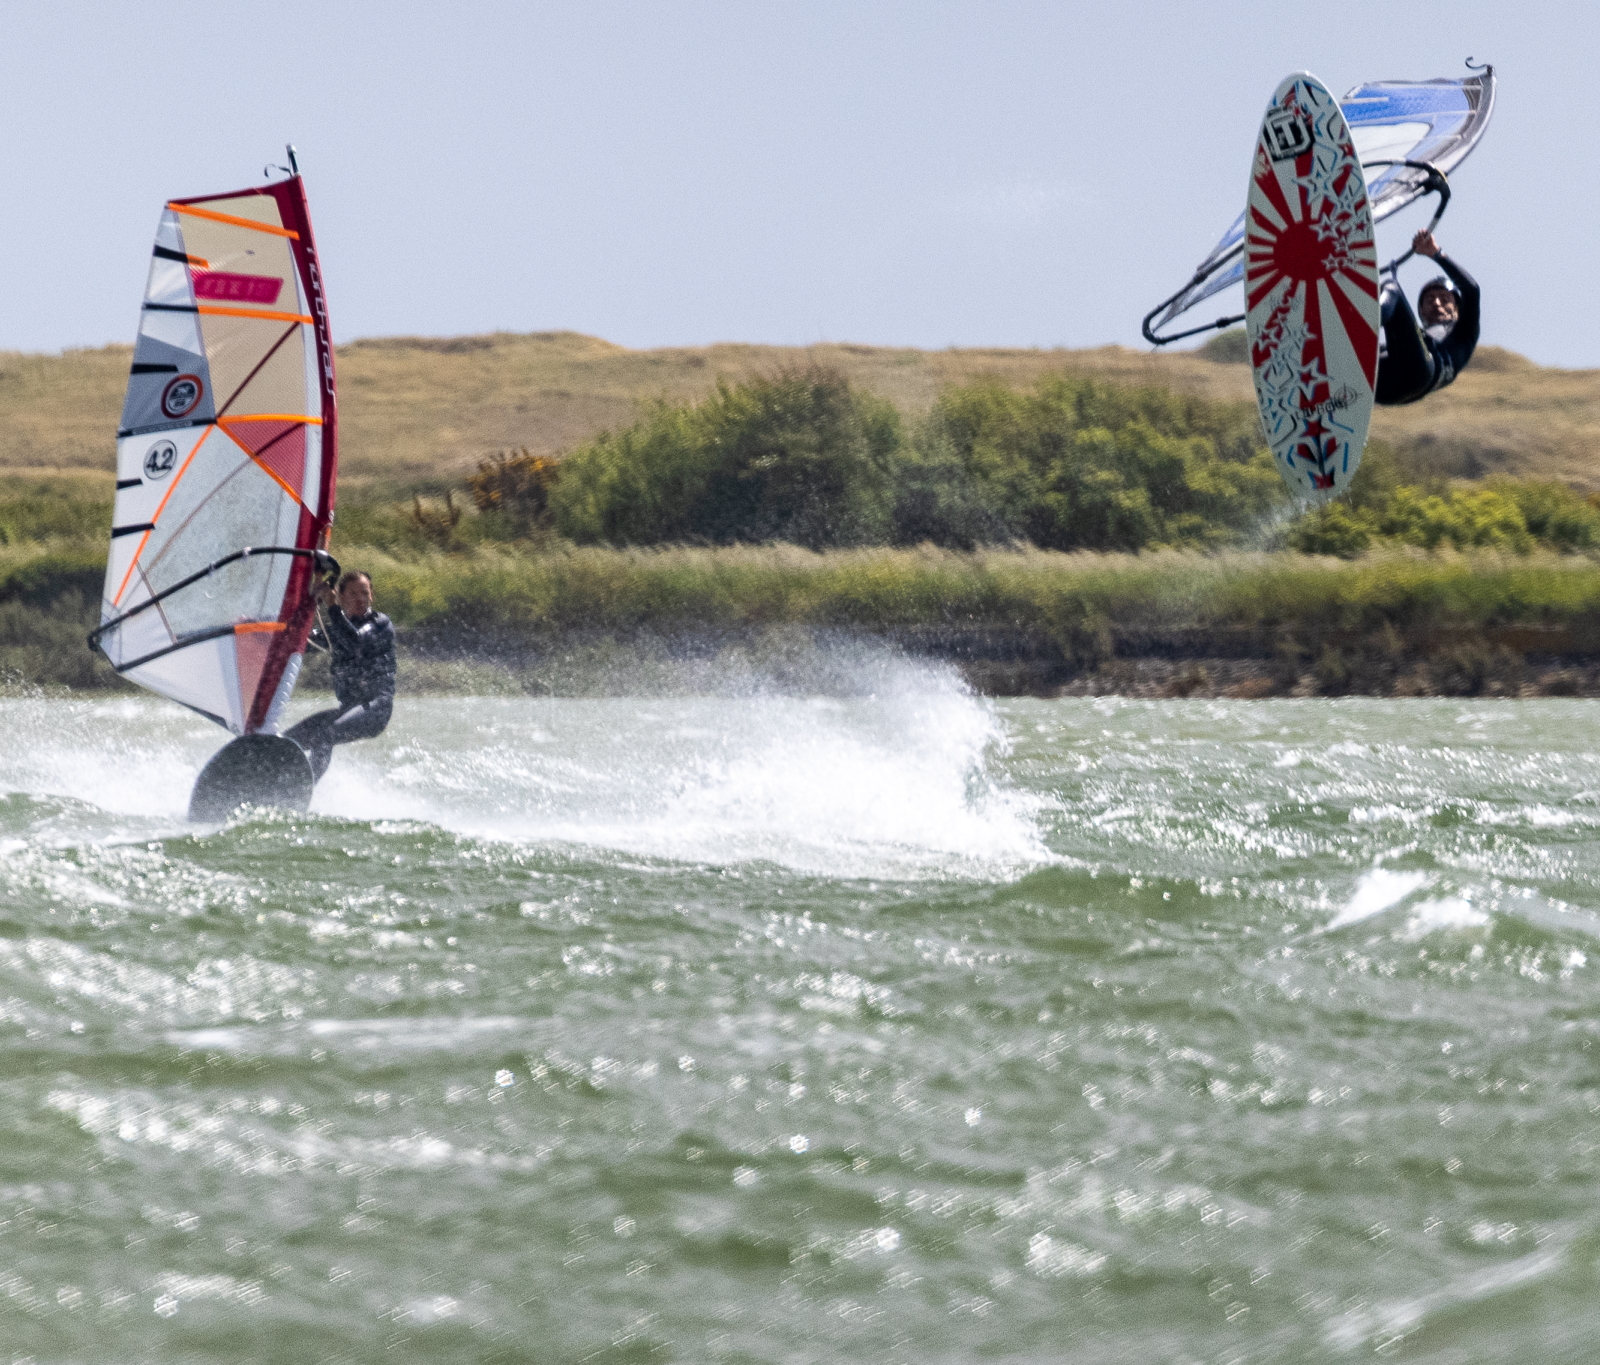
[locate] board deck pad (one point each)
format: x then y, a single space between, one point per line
1311 290
256 770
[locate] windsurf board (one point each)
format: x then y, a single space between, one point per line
1311 288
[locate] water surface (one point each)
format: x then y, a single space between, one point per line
906 1027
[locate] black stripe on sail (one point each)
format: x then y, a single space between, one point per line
193 637
325 563
168 254
199 712
153 369
172 307
128 483
132 530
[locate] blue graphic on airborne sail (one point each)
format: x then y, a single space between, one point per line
1438 122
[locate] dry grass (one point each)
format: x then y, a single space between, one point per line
59 412
420 412
1504 416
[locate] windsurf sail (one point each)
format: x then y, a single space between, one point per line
226 458
1400 130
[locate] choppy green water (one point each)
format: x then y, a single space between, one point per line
902 1028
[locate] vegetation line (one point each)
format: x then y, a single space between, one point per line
1022 619
1035 536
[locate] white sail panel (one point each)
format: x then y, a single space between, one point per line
204 677
225 466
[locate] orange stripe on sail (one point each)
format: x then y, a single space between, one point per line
259 464
259 627
253 313
270 417
228 218
160 507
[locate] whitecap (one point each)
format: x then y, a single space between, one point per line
1376 891
904 783
1454 912
1386 1325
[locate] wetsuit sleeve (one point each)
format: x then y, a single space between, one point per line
342 635
381 652
1463 338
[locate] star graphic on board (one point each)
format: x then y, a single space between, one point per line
1312 376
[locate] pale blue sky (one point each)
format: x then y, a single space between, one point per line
924 174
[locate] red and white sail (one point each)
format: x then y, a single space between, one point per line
228 443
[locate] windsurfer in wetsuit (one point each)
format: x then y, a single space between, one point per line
362 643
1419 359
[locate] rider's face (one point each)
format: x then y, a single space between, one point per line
355 598
1437 306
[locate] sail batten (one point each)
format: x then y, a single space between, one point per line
226 459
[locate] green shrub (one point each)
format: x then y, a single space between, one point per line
1464 519
1077 464
800 457
513 487
1377 477
1505 515
1333 529
1554 514
939 499
1071 464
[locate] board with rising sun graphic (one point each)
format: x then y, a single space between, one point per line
1311 288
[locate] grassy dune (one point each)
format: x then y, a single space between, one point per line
419 413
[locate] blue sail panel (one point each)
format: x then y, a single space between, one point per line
1438 121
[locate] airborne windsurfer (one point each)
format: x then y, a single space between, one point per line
362 643
1419 359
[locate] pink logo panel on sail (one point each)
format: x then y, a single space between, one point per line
221 285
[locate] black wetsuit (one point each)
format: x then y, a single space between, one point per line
1420 361
363 680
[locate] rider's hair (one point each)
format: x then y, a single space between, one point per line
350 576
